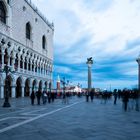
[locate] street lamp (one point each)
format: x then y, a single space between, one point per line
63 83
89 63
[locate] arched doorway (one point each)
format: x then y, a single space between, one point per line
27 88
8 81
18 87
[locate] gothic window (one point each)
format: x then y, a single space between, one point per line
28 31
8 1
43 42
2 13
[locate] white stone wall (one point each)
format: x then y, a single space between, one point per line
39 28
13 41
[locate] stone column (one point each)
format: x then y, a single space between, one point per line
45 70
31 65
1 91
27 65
13 62
138 99
23 62
30 90
18 63
89 63
34 68
37 67
40 69
139 77
13 88
138 61
8 60
22 89
2 58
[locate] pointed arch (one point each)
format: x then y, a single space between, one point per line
2 12
27 87
18 87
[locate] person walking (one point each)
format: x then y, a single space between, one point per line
115 96
38 97
49 97
44 97
32 97
87 96
125 99
64 98
52 97
92 95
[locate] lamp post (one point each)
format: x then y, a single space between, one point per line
63 83
89 64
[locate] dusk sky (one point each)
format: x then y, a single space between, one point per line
107 30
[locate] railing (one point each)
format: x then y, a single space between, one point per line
32 74
27 73
20 44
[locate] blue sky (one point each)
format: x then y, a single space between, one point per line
107 30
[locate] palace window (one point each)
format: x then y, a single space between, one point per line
28 31
43 42
8 1
2 13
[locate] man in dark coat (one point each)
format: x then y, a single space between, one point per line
38 95
32 97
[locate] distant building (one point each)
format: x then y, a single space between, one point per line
26 46
58 83
75 89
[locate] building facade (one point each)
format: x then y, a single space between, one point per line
26 47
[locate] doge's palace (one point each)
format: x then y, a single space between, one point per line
26 47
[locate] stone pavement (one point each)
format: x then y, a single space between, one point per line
78 120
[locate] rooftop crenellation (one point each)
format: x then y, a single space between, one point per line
51 25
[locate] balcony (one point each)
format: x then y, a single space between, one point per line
32 74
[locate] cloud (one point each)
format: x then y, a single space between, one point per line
106 30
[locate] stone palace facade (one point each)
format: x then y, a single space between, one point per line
26 47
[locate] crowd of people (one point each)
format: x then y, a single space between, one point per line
46 97
49 97
129 98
